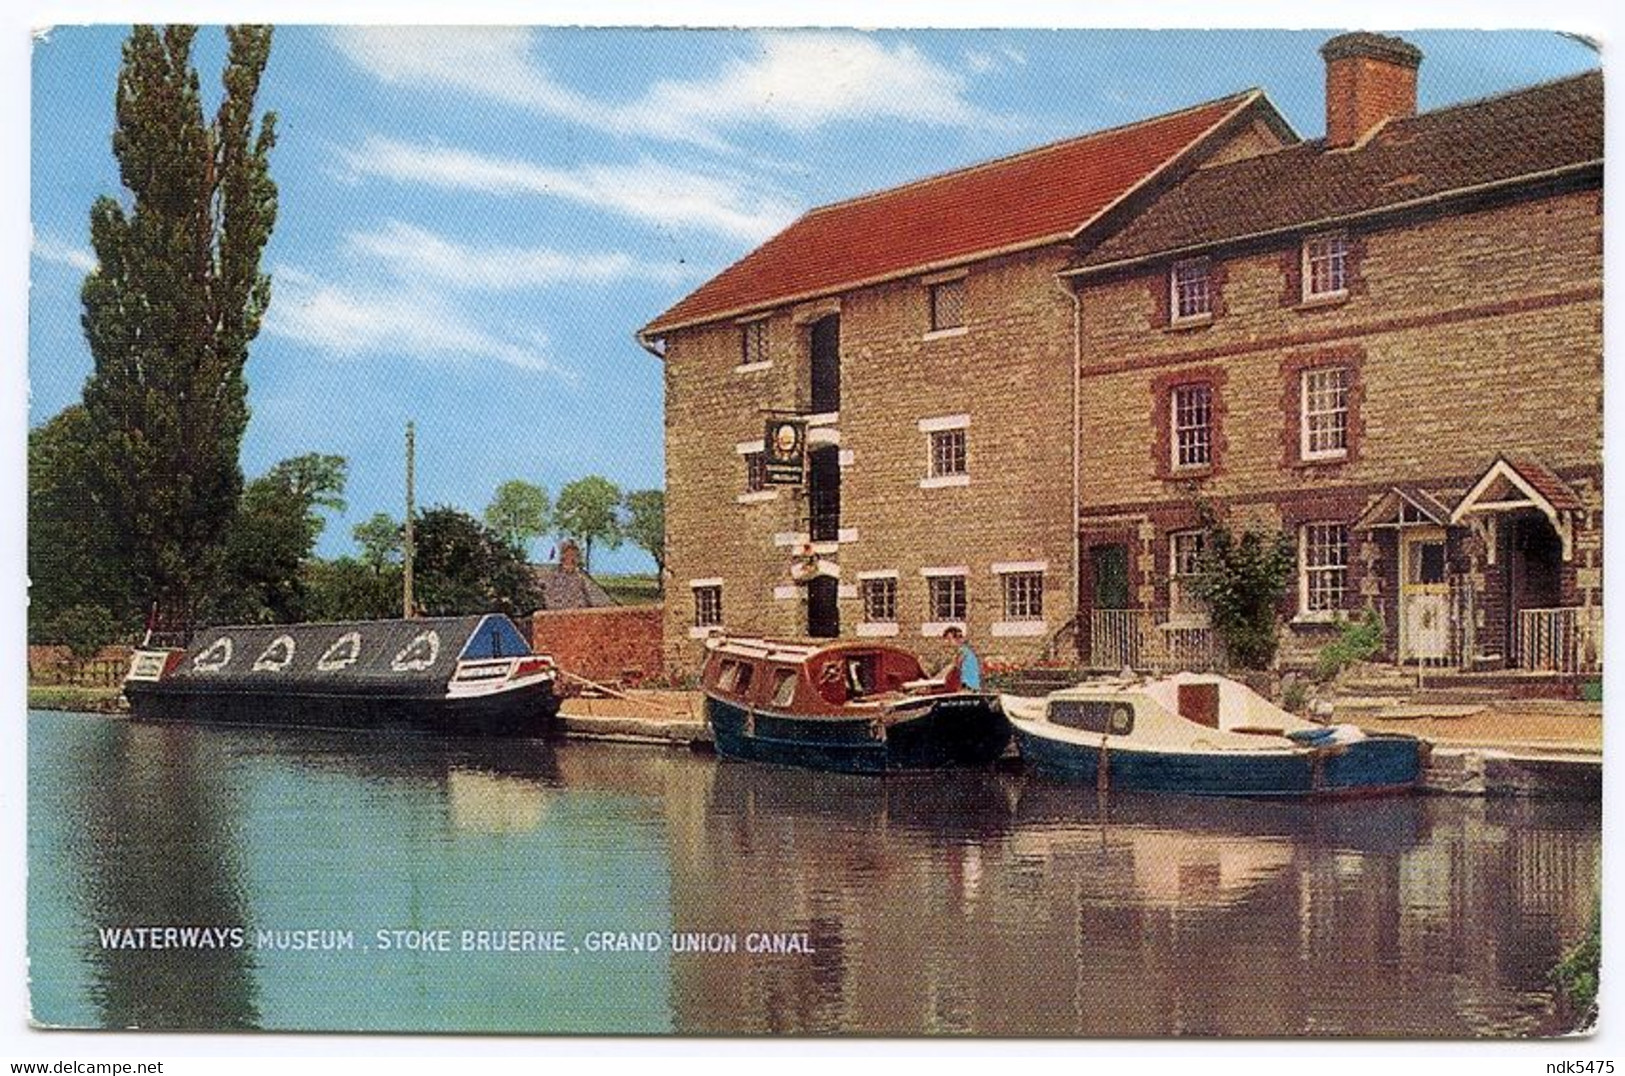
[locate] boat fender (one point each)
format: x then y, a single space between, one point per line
750 722
877 729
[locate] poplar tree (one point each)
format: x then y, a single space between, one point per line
170 309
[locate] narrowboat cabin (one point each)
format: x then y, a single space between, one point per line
851 707
470 674
1203 735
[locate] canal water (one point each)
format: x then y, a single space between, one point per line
333 881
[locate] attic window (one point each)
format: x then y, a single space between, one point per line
1192 286
947 305
753 344
1325 266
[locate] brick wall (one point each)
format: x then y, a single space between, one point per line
617 644
1477 333
1008 372
1465 335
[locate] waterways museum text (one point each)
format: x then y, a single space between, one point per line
454 941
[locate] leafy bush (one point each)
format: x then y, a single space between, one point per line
1358 640
1243 578
84 630
1577 974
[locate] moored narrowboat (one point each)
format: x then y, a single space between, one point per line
469 674
851 707
1204 735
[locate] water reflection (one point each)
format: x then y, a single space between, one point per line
965 902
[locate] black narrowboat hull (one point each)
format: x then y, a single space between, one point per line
931 733
526 710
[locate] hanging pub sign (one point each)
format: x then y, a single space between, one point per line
785 449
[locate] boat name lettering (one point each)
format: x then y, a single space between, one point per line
483 672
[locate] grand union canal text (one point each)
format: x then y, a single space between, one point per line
448 940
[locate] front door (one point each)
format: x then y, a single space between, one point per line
1113 633
1110 564
1424 597
823 610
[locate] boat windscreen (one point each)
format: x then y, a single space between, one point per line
496 637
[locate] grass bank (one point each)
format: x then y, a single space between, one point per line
631 589
80 698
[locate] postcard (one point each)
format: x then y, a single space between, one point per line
1065 534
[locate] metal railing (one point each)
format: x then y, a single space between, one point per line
1566 640
1149 639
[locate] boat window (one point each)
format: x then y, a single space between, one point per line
745 671
728 678
784 687
860 676
1093 715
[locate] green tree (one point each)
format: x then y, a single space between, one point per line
350 589
273 536
519 513
1243 578
84 629
462 566
588 511
380 540
72 559
171 307
645 526
317 479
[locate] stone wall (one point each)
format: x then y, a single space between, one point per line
1007 374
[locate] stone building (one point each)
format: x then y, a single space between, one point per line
1387 342
1020 377
924 335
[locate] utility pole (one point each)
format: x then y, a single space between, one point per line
407 546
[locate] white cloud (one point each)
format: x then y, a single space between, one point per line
49 249
649 191
798 80
351 320
802 80
414 253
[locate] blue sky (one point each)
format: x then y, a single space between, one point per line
474 222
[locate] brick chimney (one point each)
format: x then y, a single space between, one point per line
1369 78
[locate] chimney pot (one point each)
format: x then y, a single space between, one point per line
1369 78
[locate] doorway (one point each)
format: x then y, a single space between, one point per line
1109 564
823 608
824 494
1424 596
1534 569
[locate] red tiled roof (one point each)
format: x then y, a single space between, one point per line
1544 481
1044 194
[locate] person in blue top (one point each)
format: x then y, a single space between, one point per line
965 674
